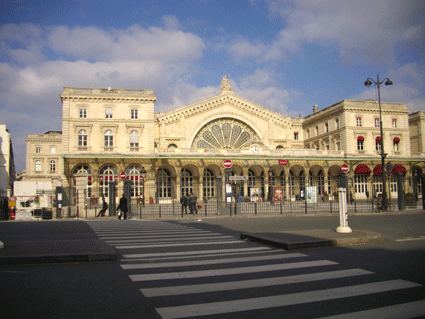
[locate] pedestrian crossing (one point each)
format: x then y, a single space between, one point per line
187 272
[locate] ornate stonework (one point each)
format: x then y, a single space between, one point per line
109 131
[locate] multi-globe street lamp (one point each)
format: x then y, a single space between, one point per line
368 83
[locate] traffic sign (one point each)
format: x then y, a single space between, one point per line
227 163
283 162
238 178
344 168
122 175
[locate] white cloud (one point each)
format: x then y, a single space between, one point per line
260 78
408 82
134 43
362 31
39 61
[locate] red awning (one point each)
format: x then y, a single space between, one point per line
377 171
378 138
397 168
360 138
396 139
362 169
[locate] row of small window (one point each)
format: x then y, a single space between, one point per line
39 167
326 128
377 122
52 149
108 138
134 113
360 144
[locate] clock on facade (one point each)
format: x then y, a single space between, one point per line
255 149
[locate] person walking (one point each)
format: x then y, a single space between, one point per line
123 207
183 202
104 207
192 203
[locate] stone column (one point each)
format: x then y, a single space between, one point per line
81 188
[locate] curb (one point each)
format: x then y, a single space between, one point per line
63 252
311 239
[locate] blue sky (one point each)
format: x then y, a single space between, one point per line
284 55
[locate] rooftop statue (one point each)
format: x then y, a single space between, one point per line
225 84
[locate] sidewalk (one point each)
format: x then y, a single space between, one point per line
66 240
301 239
51 242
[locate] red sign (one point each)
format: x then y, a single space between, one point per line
122 175
227 163
283 162
344 168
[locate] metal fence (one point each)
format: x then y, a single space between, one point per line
88 202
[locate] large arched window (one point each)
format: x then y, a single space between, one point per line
251 178
163 184
82 138
225 133
86 170
38 166
209 184
301 180
318 181
282 180
109 138
107 174
135 174
186 182
291 183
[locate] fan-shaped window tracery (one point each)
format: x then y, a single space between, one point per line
224 133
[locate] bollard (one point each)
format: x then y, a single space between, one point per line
343 217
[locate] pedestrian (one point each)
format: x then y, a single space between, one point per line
123 207
192 203
183 202
104 207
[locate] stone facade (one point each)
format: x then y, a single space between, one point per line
109 132
44 157
7 165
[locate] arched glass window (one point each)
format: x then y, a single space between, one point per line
134 173
272 178
82 138
134 139
52 166
224 133
209 184
251 178
186 182
282 180
172 146
107 174
38 166
301 180
86 170
163 184
109 138
291 183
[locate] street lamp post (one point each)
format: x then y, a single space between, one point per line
270 195
368 83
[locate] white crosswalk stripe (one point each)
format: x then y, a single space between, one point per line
225 275
211 308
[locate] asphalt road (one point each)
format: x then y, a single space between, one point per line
110 290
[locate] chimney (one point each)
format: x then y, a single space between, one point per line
315 108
